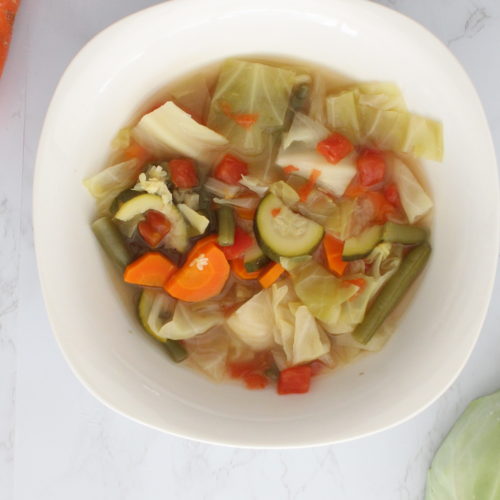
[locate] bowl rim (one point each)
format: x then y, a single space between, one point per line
204 436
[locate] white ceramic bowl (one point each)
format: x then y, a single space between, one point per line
98 332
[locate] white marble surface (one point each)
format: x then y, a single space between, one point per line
57 442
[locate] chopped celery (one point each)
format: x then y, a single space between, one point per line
252 91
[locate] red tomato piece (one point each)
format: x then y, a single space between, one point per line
371 167
255 381
295 380
381 207
154 228
230 169
259 363
183 173
242 241
335 147
392 195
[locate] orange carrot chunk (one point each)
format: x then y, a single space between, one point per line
151 269
307 188
270 274
333 254
202 276
290 169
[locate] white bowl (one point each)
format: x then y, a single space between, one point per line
97 331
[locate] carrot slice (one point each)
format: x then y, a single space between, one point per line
151 269
270 274
238 268
211 239
8 10
290 169
202 276
306 189
333 253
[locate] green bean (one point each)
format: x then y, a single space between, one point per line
225 216
393 291
112 241
176 350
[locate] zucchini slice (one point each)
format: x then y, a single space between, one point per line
139 205
403 233
360 246
283 233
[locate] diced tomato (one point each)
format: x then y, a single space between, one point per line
371 167
154 228
259 363
335 147
183 173
295 380
230 169
242 241
392 195
255 381
381 207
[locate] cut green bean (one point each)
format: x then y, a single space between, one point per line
176 350
112 242
298 101
225 217
403 233
392 293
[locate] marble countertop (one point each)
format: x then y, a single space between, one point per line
57 442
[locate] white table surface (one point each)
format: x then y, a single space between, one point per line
57 442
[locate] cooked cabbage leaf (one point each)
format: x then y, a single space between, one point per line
253 322
416 203
424 138
339 223
306 131
342 115
191 319
106 185
320 291
380 95
248 89
467 465
285 193
170 130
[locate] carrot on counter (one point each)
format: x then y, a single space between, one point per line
8 10
306 189
333 254
270 274
151 269
202 276
238 268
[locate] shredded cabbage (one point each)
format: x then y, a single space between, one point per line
467 465
285 193
191 319
416 203
168 130
221 189
254 184
253 89
106 185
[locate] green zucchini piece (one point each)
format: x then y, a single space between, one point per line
254 259
197 221
361 246
139 205
154 309
283 233
403 233
123 197
393 291
112 242
225 216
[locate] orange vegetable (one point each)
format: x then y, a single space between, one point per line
238 268
290 169
8 10
135 150
270 274
202 276
255 381
247 213
207 240
275 211
306 189
245 120
333 253
335 147
151 269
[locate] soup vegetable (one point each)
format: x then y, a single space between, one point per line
270 219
